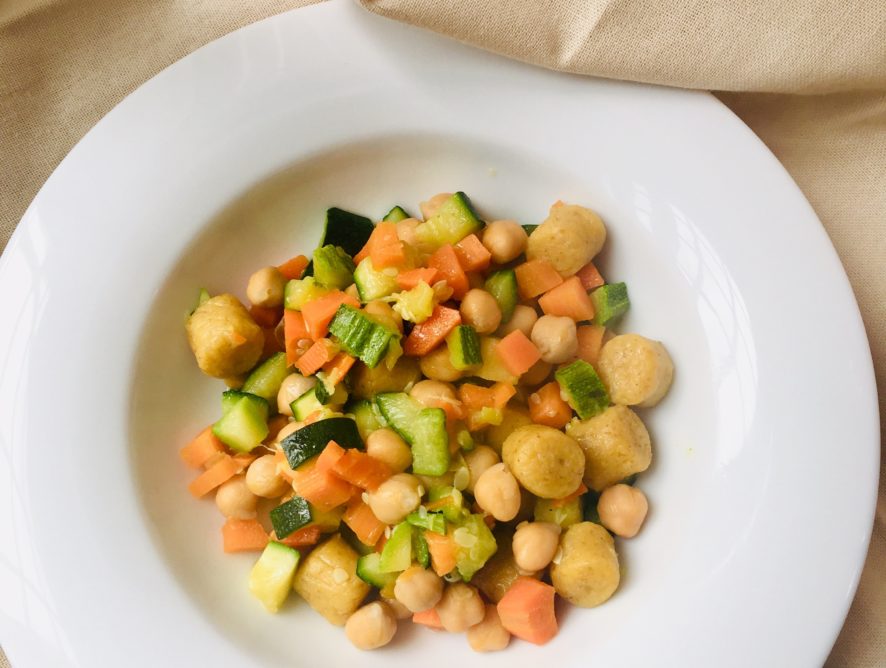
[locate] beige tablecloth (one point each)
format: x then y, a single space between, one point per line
808 76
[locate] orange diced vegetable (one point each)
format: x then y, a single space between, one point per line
590 341
568 299
527 610
362 470
294 331
320 486
330 456
428 335
243 536
446 262
243 460
319 312
589 276
223 470
294 268
363 522
283 468
317 355
304 537
271 344
476 396
547 407
517 352
337 368
536 277
428 618
407 280
559 503
472 254
204 446
266 317
275 424
443 552
387 249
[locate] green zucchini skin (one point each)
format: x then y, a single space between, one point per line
310 440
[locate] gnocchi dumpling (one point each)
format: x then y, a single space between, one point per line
637 371
568 238
224 337
586 572
544 460
616 445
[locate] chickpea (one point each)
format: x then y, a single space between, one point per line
537 374
290 428
622 509
395 498
234 499
406 230
262 479
460 608
431 393
265 287
480 310
479 460
556 338
524 318
489 635
535 544
437 365
385 314
429 208
387 446
505 239
498 493
400 611
293 386
418 589
372 626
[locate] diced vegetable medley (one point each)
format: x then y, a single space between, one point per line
430 420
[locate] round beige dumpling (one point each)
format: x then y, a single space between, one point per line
224 337
568 238
637 371
615 444
585 572
544 460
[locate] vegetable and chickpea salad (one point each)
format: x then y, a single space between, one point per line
438 415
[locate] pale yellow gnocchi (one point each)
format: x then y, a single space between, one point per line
637 371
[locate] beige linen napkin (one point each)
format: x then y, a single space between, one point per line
808 76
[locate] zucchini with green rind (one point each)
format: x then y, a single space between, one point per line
582 389
396 555
453 510
502 285
433 522
454 220
270 579
266 379
360 335
464 347
610 302
333 267
349 231
366 416
395 215
291 516
564 515
310 440
374 283
420 550
424 429
369 570
475 544
244 424
231 397
529 229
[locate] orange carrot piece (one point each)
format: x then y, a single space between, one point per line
337 368
266 317
559 503
361 470
590 341
243 536
443 552
294 331
317 355
304 537
275 424
320 486
474 397
589 276
330 456
244 459
379 236
517 353
318 313
204 446
293 268
527 610
223 470
536 277
472 254
446 262
568 299
409 279
428 618
363 522
283 468
428 335
386 249
547 407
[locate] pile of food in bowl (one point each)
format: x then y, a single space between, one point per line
431 420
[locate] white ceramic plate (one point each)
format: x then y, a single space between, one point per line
765 467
